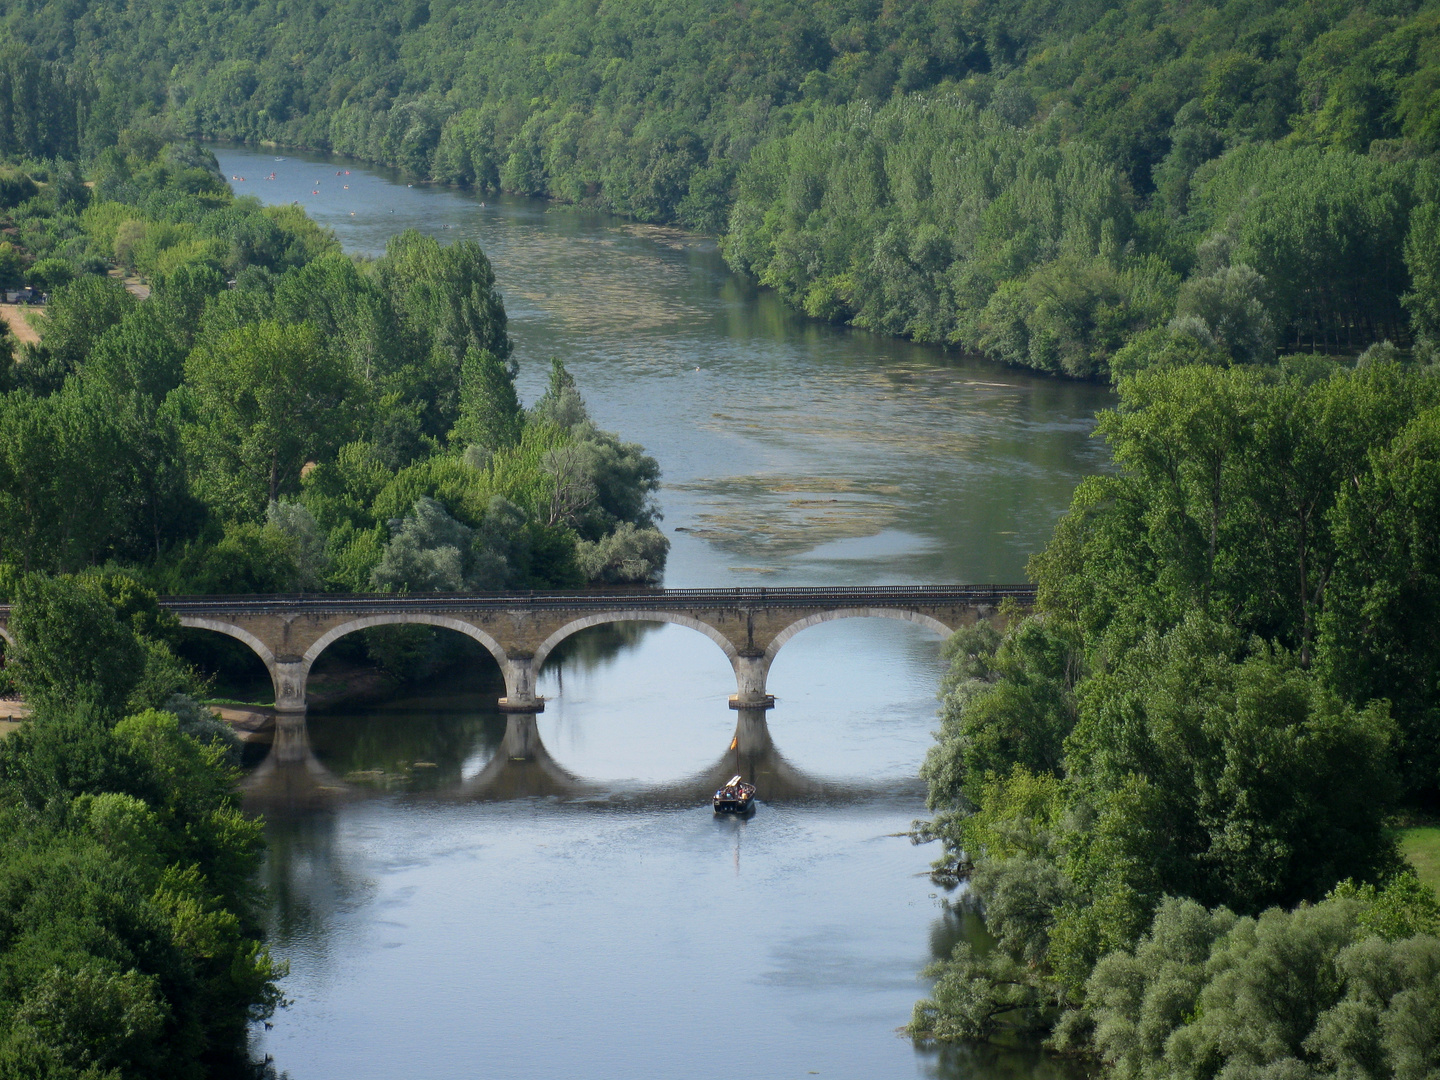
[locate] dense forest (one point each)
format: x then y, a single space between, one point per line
1172 787
129 909
1049 183
279 417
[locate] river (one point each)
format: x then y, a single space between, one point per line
450 912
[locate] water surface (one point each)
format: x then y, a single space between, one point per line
448 911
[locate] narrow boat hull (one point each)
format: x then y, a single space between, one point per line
736 797
735 807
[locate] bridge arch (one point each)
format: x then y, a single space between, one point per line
901 614
364 622
602 617
258 647
5 636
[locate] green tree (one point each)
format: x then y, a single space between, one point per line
263 400
1230 304
1234 781
429 552
71 647
1376 634
490 414
448 305
1422 257
1288 993
127 874
1007 700
63 472
77 315
1224 501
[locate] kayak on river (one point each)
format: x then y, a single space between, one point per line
736 797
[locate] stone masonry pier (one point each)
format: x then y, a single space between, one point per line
520 630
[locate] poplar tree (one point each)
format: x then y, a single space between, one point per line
490 413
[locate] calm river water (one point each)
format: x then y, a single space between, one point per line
448 912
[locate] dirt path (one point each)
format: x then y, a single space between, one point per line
14 314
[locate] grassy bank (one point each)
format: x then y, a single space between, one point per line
1422 847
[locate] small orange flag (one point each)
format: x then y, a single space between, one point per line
735 743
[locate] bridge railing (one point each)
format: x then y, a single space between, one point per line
760 596
750 597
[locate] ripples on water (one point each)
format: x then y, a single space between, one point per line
577 911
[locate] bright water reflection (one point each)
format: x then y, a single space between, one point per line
440 925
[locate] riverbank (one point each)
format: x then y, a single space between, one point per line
340 685
669 234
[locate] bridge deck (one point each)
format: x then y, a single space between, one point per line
604 599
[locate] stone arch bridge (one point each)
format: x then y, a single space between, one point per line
520 630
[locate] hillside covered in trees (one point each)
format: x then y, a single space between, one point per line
1045 182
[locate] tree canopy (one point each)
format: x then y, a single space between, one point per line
1226 692
130 942
1029 180
274 413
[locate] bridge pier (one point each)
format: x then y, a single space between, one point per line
750 673
289 674
520 675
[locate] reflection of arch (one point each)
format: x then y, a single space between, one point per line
927 621
522 768
199 622
493 647
545 647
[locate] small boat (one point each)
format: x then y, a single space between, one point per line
736 797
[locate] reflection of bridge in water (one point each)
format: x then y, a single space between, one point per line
520 630
292 777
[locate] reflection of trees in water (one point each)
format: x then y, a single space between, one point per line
1018 1059
959 920
416 750
421 738
304 872
596 646
308 879
989 1061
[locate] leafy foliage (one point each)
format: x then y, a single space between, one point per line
1226 690
1028 179
128 941
263 436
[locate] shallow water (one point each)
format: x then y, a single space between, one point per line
449 911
